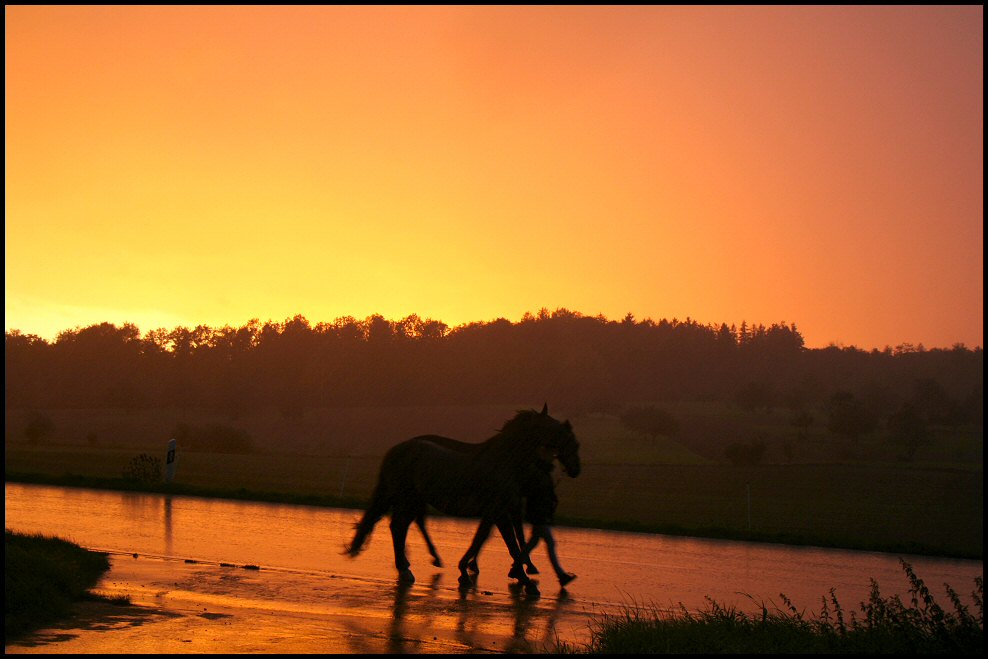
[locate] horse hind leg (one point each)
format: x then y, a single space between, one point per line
377 509
483 530
399 532
420 522
516 521
519 556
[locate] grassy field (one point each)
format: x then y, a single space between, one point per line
824 492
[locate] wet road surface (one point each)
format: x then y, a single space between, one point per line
180 607
192 593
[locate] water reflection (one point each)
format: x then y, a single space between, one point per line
143 510
396 635
169 547
614 568
524 608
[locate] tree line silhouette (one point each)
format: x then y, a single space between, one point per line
583 363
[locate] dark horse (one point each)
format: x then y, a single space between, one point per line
568 456
483 482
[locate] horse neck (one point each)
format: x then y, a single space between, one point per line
507 447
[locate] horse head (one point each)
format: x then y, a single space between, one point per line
551 434
568 453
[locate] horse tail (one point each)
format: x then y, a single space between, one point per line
392 480
381 501
371 516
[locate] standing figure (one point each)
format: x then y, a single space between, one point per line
540 508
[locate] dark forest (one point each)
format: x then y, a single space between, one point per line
582 363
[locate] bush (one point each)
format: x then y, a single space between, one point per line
143 469
907 429
650 421
848 416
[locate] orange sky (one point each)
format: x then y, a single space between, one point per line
184 165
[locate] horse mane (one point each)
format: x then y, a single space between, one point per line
522 419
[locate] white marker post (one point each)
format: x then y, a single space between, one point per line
170 462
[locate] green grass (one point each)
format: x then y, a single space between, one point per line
883 626
43 577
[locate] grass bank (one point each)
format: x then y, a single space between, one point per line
884 625
43 576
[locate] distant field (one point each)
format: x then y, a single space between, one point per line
934 505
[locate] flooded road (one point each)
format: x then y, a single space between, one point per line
223 576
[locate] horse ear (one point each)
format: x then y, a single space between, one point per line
545 409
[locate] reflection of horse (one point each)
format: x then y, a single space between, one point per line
484 483
396 634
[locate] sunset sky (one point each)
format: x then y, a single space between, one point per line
172 166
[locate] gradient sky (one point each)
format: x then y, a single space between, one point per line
175 166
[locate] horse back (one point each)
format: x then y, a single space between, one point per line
448 474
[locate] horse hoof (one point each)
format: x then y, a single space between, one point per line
465 581
516 573
532 590
531 569
437 563
406 577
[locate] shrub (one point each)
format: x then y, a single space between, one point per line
143 469
907 429
848 416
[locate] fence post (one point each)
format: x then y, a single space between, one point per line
170 461
747 487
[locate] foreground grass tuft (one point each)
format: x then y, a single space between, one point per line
43 577
884 625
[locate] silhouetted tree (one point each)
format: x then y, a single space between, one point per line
907 428
754 396
589 362
802 421
848 417
932 403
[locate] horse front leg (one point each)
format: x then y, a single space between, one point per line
483 530
400 521
518 555
507 529
516 521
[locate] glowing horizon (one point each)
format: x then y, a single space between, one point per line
183 166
